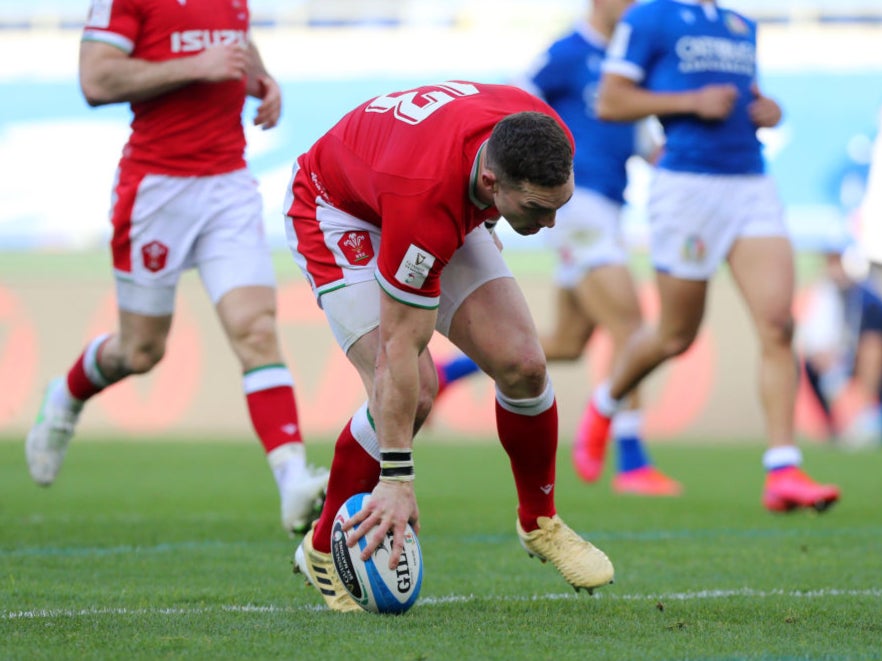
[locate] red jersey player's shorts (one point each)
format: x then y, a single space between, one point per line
164 225
351 299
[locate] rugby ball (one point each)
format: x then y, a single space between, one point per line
371 583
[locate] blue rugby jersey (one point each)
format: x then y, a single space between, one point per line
566 77
679 45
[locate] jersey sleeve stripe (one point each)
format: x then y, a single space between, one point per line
408 298
624 69
111 38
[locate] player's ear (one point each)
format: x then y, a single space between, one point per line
489 180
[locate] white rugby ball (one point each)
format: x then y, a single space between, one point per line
374 586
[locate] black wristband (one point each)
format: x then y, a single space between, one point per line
396 465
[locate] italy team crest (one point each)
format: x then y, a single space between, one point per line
694 249
736 24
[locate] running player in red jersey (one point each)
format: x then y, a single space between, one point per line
183 198
386 217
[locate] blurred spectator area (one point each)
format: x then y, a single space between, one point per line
17 14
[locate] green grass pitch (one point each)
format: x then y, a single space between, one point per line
172 549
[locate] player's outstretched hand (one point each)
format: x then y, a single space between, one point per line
391 506
219 63
270 108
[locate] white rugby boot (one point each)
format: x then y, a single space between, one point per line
48 439
302 487
302 499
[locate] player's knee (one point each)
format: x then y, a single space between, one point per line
143 358
523 376
779 332
677 344
255 336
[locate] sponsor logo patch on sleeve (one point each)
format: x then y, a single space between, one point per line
414 267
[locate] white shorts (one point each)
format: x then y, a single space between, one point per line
696 218
586 234
354 309
164 225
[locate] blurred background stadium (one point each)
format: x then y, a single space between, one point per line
820 58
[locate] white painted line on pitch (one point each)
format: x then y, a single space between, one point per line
875 593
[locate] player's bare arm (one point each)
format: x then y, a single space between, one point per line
262 86
109 75
405 332
620 99
764 111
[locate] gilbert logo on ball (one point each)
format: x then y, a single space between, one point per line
371 583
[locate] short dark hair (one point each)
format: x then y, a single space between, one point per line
530 147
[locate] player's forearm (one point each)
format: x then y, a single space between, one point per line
623 101
394 404
125 79
256 70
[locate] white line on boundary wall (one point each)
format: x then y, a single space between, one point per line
875 593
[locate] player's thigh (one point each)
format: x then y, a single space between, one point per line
475 263
362 354
494 327
352 311
248 317
353 314
608 296
762 253
572 326
755 262
247 309
232 251
481 307
484 313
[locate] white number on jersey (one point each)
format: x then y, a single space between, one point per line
406 109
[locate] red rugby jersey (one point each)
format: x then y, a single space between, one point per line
404 161
197 129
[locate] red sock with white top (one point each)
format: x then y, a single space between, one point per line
84 378
354 469
528 431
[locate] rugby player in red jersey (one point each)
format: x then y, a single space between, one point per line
386 217
184 198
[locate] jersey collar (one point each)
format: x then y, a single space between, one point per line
592 36
710 7
473 179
